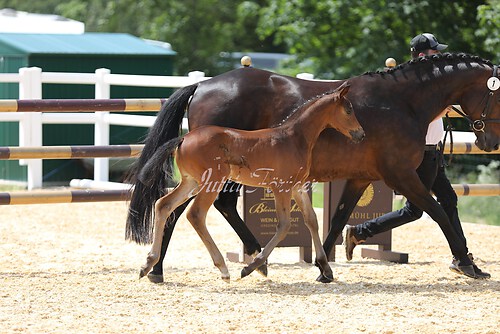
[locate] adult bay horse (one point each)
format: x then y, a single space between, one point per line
278 158
393 107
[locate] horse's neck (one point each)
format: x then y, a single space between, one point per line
438 89
428 106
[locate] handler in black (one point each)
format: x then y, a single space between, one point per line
431 173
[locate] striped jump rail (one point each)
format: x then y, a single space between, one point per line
123 151
85 105
63 196
477 189
69 152
93 195
81 105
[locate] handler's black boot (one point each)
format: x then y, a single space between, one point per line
454 266
350 241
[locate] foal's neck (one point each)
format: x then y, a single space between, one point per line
310 120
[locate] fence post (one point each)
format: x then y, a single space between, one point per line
306 76
30 128
101 130
196 75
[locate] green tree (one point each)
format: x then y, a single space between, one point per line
34 6
198 30
332 38
348 37
489 27
201 30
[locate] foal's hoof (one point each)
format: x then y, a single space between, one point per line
324 279
142 273
262 269
155 278
245 272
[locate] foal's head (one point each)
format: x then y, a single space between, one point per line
340 114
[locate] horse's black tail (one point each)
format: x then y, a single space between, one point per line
139 227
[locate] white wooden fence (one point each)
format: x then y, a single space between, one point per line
30 82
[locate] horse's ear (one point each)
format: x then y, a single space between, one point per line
343 89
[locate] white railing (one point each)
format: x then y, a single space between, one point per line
30 82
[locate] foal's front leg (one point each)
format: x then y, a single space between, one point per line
302 199
282 203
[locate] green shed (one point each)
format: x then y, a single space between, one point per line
77 53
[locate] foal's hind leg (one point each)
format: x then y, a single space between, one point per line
282 201
302 199
226 204
197 215
163 208
156 275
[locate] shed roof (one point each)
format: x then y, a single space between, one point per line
87 43
12 20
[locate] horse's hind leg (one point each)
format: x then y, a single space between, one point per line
282 201
226 204
163 208
302 199
197 215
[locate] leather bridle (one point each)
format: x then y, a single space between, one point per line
479 124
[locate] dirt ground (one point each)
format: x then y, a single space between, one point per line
66 268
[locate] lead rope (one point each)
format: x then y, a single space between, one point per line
449 129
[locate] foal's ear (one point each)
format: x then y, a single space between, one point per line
343 89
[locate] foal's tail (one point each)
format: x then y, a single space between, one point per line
149 186
161 163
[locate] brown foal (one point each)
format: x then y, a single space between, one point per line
278 158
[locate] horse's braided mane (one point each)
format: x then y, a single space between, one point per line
463 57
299 107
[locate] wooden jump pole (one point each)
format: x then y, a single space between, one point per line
69 152
81 105
63 196
86 105
93 195
117 151
477 189
465 148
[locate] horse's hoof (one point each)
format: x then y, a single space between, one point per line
155 278
262 270
226 279
245 272
324 279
